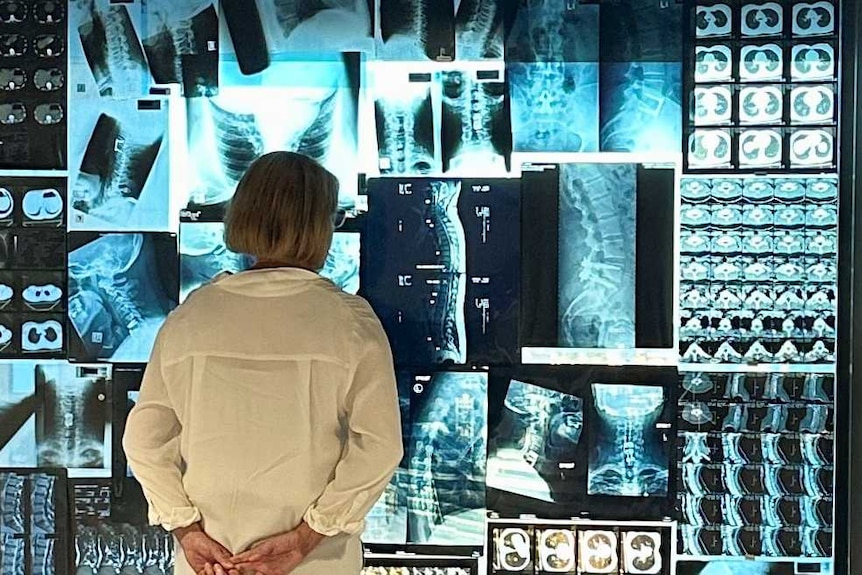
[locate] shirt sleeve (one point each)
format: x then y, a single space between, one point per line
374 445
152 445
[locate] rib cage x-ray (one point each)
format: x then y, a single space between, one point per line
304 107
534 447
447 451
122 548
121 290
596 306
628 451
73 419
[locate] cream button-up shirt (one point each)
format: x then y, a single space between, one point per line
270 398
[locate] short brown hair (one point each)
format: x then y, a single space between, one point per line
282 211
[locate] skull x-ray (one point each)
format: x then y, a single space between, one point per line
308 107
73 416
122 287
596 306
120 150
446 289
534 447
628 441
447 456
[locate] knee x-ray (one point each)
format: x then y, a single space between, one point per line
447 453
446 287
122 287
628 455
596 304
120 149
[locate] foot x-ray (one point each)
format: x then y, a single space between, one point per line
629 441
537 444
641 77
122 287
120 150
73 416
308 107
447 455
446 290
596 306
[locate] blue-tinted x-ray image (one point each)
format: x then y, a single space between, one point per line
627 451
122 287
734 567
596 305
447 450
203 255
342 261
554 32
555 106
534 447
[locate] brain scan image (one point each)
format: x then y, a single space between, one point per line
121 291
536 440
72 426
447 451
628 451
596 304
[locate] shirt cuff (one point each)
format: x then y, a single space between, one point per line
329 526
178 517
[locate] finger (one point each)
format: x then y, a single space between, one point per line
252 555
208 569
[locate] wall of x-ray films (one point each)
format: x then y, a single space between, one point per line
601 236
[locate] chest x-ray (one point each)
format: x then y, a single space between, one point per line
120 150
628 455
596 305
304 107
447 451
121 290
535 445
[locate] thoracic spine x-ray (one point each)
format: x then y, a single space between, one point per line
405 129
596 306
627 455
29 504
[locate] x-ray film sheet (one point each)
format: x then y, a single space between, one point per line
554 32
416 30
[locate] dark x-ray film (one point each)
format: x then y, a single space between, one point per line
122 287
605 279
33 123
447 454
641 77
120 150
446 289
742 567
557 449
181 43
73 417
34 536
304 106
416 31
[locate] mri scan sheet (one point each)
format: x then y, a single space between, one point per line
122 287
146 550
446 287
447 452
120 153
308 107
554 32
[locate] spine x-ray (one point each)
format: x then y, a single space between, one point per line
73 417
33 70
416 30
299 106
18 415
755 463
447 453
121 150
446 288
122 287
479 29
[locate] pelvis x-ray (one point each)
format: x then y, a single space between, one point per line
203 255
306 107
641 77
446 290
535 446
121 287
121 151
102 547
452 121
447 451
73 416
596 306
628 451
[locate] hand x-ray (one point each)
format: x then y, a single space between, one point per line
122 287
120 150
